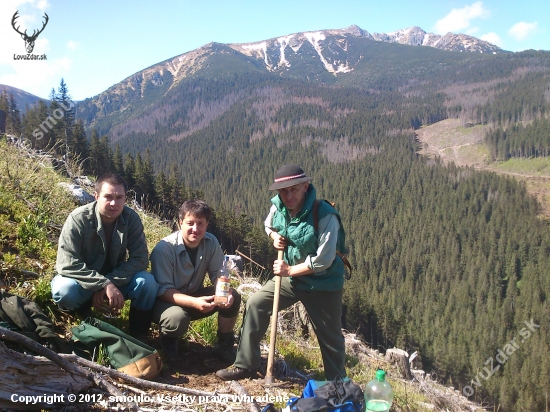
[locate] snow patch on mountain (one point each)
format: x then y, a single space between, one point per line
331 47
283 42
259 48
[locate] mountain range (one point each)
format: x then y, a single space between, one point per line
330 47
22 98
348 57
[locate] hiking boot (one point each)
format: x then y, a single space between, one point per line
139 323
234 373
83 312
225 348
169 347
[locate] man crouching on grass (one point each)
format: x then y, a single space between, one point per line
180 262
102 258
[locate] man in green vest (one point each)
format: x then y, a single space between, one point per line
311 272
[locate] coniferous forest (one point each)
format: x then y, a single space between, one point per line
451 262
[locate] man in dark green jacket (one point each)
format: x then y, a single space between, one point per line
102 257
311 272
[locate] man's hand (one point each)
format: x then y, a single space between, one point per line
229 302
281 268
279 242
115 300
204 304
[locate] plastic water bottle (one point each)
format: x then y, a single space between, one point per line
224 283
378 394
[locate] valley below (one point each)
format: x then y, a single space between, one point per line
451 141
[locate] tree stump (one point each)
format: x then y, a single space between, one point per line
25 375
303 323
401 358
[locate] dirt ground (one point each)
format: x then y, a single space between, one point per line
196 368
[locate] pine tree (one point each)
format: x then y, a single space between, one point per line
65 108
162 191
80 148
130 171
13 120
95 154
106 156
145 190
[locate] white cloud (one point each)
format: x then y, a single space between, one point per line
73 45
522 30
31 76
492 38
460 19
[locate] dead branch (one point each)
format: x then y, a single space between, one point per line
31 205
113 390
35 376
136 381
241 391
15 337
243 255
28 273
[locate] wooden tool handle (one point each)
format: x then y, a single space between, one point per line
273 336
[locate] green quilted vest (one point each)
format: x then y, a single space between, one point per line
302 242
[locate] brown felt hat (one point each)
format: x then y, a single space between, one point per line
289 175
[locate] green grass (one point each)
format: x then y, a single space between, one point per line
204 330
539 166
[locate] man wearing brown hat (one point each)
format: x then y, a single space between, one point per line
311 272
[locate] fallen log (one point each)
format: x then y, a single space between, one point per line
25 375
42 376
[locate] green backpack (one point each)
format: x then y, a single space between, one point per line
125 353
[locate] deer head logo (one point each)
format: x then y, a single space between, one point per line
29 40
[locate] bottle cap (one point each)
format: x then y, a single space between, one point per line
380 375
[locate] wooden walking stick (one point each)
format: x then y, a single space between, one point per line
273 338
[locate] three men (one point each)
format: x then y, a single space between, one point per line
102 258
311 272
92 266
180 263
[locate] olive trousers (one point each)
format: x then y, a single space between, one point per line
324 310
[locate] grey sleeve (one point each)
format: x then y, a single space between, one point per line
162 266
327 238
268 222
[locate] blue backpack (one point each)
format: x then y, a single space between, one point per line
330 396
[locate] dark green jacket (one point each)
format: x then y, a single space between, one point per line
303 241
81 251
24 316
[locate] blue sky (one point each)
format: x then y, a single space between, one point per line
95 44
